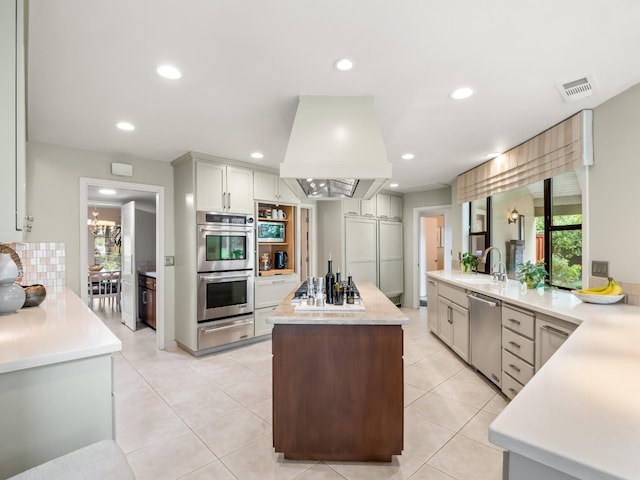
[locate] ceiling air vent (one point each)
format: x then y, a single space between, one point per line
581 88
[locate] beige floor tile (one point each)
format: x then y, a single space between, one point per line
427 472
204 405
264 410
258 461
319 471
463 458
170 458
401 467
466 387
224 371
233 431
432 371
478 428
214 471
496 404
422 438
442 411
251 392
411 394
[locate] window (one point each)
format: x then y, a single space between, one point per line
563 230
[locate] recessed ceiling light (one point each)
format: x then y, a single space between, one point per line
343 64
125 126
493 155
461 93
408 156
393 185
168 71
257 155
107 191
309 180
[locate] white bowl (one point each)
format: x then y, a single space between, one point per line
601 299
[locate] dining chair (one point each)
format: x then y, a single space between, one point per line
105 286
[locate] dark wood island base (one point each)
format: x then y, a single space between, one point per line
338 391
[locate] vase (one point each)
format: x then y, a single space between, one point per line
12 296
466 268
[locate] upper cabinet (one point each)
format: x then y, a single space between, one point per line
269 187
223 188
388 206
12 121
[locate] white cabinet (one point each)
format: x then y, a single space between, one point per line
351 206
223 188
432 306
551 333
518 333
368 207
268 294
453 319
388 206
361 250
390 249
271 188
12 121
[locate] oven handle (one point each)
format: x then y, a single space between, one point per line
225 229
217 329
204 278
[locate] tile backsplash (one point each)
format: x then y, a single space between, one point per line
42 262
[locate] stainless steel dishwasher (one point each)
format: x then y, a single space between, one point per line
485 332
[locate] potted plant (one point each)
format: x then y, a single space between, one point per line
533 274
470 262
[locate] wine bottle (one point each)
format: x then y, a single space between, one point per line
329 282
350 291
337 289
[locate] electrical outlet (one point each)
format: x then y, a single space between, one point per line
169 261
599 268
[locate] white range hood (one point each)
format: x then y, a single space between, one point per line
335 149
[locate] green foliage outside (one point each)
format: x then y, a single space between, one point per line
566 255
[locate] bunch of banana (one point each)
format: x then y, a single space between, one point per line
611 288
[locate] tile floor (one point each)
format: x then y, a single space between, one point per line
178 417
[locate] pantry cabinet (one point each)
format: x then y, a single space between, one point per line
12 121
223 188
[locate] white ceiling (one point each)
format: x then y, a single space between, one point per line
245 62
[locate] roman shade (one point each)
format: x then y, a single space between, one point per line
563 147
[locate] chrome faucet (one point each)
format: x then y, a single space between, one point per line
500 274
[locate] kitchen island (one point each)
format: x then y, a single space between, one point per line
338 387
56 381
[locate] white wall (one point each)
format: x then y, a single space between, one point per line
53 194
614 200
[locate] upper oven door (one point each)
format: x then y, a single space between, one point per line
224 294
225 247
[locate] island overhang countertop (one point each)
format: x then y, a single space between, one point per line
379 310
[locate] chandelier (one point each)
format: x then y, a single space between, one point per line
96 227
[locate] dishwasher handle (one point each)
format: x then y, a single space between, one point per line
482 300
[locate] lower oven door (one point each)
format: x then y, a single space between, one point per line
224 294
223 332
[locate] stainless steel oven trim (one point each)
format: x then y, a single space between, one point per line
226 230
204 314
222 332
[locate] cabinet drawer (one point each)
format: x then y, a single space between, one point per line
510 387
518 321
271 292
455 294
516 367
518 345
261 327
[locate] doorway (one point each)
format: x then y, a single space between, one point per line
151 199
431 250
431 247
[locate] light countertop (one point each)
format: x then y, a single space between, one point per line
378 311
580 414
60 329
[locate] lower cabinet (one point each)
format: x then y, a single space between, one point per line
551 333
453 319
432 306
269 292
518 333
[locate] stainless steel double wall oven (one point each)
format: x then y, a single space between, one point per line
226 250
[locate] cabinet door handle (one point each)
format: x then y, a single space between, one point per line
229 200
555 330
514 367
514 344
512 390
513 320
450 315
144 297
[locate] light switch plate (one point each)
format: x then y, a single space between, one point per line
169 261
599 268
